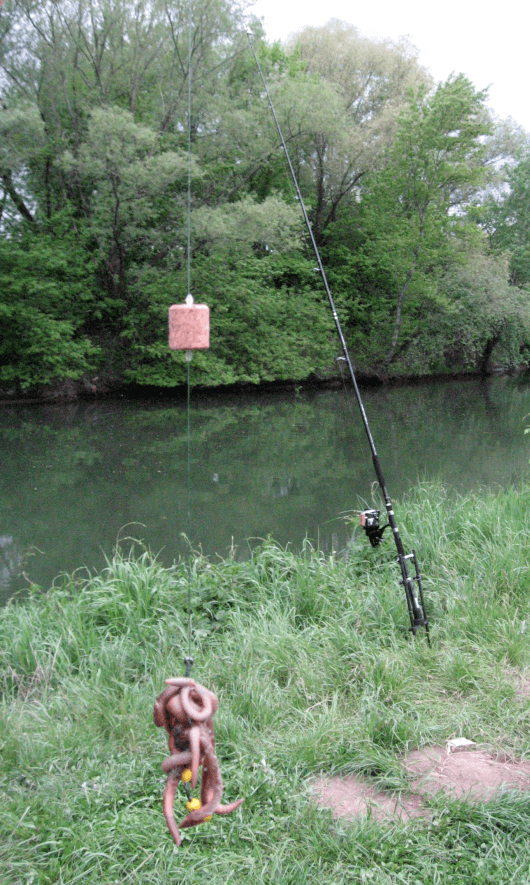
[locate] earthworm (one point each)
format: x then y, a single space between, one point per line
176 760
195 747
180 681
169 799
199 711
159 714
185 710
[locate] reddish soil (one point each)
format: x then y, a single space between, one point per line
463 774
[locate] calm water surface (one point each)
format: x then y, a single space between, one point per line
77 478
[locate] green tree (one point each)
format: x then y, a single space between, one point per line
508 220
67 59
477 322
93 173
337 96
45 286
411 214
362 84
133 193
486 320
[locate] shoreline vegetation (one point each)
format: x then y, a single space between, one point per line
118 195
69 391
315 671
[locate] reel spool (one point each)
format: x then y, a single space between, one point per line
370 523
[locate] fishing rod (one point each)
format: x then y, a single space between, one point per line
369 518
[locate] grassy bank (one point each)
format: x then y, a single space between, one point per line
315 671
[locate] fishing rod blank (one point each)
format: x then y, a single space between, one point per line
369 518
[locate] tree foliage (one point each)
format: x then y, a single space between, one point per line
368 81
46 299
410 218
508 219
94 193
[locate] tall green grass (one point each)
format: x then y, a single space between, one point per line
315 670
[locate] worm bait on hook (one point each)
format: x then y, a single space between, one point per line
185 709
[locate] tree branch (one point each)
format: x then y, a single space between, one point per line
16 198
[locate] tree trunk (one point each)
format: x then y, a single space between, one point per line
397 323
485 361
16 198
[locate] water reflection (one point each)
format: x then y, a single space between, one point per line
283 464
11 562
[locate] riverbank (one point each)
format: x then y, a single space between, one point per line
98 389
315 671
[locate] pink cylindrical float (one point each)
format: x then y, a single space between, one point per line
189 326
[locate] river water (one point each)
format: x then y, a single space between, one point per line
78 478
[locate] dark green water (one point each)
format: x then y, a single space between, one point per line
76 478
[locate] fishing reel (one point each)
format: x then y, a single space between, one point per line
370 523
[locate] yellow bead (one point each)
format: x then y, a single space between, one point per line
186 775
193 804
208 817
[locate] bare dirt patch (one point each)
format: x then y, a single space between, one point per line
353 797
474 775
522 687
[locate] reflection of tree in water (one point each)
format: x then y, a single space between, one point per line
11 564
281 488
262 464
467 433
491 408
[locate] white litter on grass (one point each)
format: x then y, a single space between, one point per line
458 743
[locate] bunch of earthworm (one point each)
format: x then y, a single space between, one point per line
185 709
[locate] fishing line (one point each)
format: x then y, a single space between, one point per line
189 151
411 584
185 709
188 661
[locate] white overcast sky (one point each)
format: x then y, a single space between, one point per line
489 42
